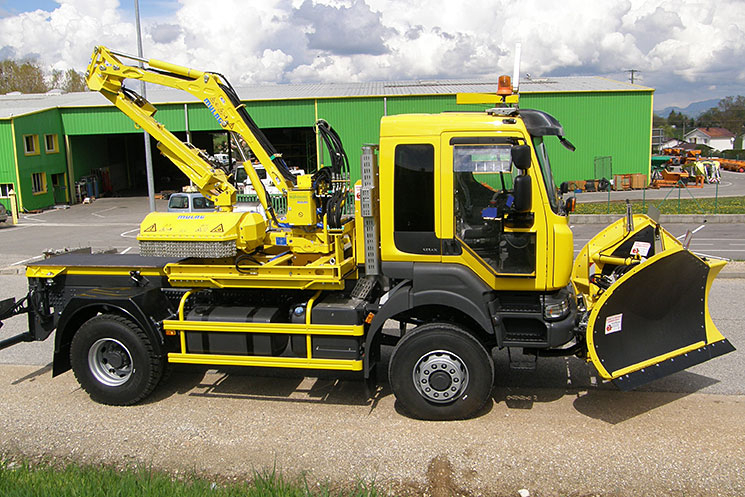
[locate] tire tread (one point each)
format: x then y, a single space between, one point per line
156 363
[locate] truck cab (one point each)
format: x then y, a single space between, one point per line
467 209
483 233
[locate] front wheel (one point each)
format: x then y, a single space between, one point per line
438 371
114 360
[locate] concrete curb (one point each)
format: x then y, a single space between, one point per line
664 219
12 270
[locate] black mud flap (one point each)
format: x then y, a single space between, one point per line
655 320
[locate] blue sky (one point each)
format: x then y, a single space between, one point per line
147 8
688 50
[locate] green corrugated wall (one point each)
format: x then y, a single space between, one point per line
616 124
7 161
41 123
110 120
357 124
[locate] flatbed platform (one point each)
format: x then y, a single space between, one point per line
105 260
99 264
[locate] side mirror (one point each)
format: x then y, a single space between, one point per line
521 156
523 194
564 188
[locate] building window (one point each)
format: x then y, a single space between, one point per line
52 144
39 183
5 189
31 144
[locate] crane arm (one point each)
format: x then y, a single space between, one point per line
106 74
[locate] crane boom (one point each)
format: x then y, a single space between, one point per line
106 74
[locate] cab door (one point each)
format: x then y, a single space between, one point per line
478 228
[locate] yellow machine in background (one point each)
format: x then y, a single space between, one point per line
458 235
162 233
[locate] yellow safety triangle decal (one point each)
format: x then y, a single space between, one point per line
151 229
217 229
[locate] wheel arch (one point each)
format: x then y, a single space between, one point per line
137 309
433 299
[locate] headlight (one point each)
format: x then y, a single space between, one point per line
553 312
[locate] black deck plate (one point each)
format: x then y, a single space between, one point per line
106 260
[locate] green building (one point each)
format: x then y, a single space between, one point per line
59 148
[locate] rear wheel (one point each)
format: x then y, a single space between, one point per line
114 360
439 371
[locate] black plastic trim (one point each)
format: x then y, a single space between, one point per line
541 123
482 140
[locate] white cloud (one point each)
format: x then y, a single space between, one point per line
677 45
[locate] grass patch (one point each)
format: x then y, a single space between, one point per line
73 480
722 205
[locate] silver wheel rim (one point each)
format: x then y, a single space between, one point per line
440 376
110 362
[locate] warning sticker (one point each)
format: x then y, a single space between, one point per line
613 323
640 248
217 229
357 192
150 229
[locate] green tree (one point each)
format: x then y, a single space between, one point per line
680 120
728 114
68 81
26 77
658 121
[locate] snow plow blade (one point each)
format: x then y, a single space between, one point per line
648 304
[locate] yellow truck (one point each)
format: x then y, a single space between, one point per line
458 243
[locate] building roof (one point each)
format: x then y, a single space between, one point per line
16 105
713 132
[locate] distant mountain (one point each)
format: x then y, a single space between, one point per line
694 110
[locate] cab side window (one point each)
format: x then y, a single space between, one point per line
414 199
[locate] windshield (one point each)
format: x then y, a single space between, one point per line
548 178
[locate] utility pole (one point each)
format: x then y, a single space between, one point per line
148 152
631 74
